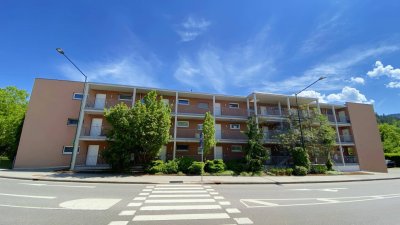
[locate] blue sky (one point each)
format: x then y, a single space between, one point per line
232 47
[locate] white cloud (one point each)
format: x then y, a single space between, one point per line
336 68
314 94
192 27
393 84
381 70
242 66
130 70
357 80
349 94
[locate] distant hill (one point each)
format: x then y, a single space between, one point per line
393 119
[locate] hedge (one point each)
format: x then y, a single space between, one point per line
394 157
281 171
318 169
214 166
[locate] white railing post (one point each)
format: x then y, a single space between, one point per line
175 123
338 135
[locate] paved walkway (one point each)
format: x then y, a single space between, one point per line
156 179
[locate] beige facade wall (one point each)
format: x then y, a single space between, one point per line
45 129
366 137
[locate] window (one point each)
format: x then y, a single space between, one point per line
234 105
236 148
183 102
67 150
182 124
235 126
202 105
77 96
123 97
199 126
182 147
72 122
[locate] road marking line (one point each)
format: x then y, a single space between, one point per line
232 210
210 189
139 199
243 220
90 203
28 207
144 193
218 197
205 216
207 186
224 203
178 200
133 204
58 185
171 192
178 185
327 200
149 186
147 189
28 196
214 193
179 207
179 196
127 213
118 223
178 188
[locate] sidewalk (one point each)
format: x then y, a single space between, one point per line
155 179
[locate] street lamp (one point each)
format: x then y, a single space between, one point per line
298 110
80 118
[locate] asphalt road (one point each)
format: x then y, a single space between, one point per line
34 202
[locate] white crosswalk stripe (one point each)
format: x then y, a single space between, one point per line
166 203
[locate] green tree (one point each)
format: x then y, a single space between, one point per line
209 140
319 136
255 153
13 105
141 130
390 136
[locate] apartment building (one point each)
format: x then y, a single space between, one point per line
54 108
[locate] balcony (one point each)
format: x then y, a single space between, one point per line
192 110
232 112
94 133
345 139
233 135
92 104
272 136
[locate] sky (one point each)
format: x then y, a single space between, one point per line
228 47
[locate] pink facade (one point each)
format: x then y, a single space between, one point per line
45 131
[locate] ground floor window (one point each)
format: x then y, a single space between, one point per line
67 150
182 147
236 148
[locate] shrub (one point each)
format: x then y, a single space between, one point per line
171 167
225 173
156 166
197 168
214 166
281 171
329 164
300 157
237 165
318 169
394 157
300 171
184 163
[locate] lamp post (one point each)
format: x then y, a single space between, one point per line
298 111
80 118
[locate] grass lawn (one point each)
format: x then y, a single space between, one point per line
5 163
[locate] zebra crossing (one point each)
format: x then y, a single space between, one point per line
180 204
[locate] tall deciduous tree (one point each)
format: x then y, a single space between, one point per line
319 136
141 130
390 136
209 140
13 105
255 153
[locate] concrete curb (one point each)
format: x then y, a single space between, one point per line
197 182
